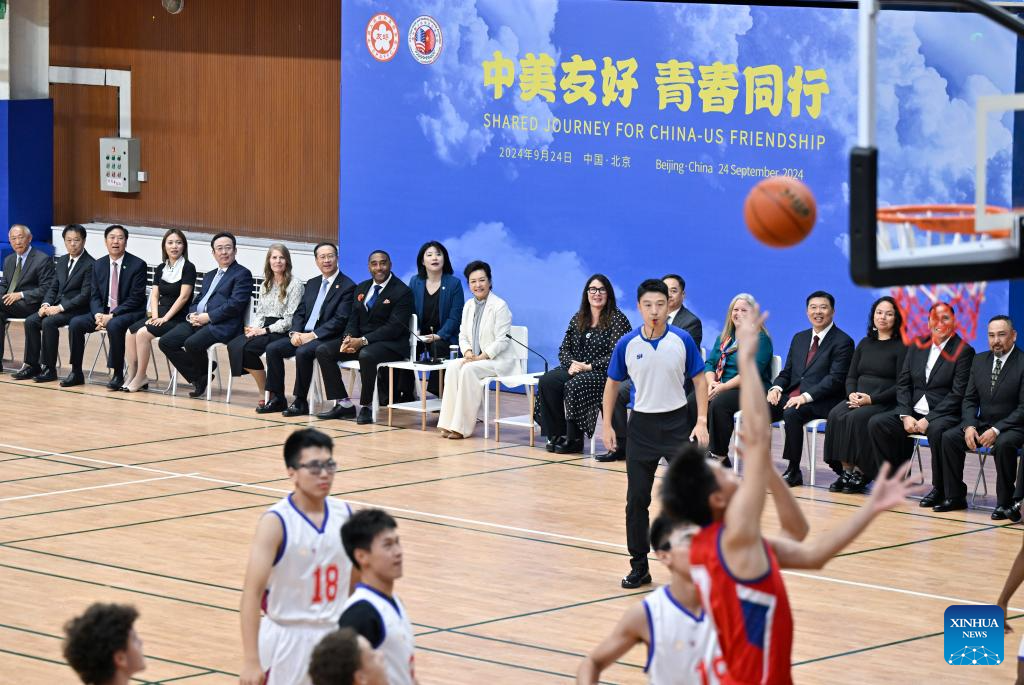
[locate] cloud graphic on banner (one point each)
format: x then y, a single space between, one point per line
709 33
473 31
541 288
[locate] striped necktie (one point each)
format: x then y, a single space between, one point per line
995 372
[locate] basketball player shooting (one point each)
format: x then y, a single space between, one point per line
736 568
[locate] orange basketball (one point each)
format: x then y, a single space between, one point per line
780 211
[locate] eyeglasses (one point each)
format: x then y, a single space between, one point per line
597 291
315 468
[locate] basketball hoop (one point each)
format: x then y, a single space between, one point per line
908 227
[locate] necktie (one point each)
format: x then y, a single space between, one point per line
372 299
995 372
71 265
314 316
115 281
201 308
807 362
17 274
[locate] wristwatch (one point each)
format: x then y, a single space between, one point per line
365 343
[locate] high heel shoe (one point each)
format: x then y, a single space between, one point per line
145 386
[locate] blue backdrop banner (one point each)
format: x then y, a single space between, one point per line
558 138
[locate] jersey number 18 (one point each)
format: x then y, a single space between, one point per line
325 582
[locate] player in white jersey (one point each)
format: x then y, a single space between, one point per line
682 647
374 611
297 569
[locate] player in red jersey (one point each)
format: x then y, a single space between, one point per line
735 566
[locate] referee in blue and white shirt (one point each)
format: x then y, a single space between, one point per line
658 358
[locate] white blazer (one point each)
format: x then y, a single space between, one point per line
495 325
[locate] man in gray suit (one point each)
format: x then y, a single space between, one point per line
68 296
28 275
680 317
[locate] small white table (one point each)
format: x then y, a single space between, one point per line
529 381
423 406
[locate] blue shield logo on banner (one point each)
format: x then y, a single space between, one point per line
974 635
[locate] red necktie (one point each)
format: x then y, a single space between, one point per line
807 362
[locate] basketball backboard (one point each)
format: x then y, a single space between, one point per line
919 241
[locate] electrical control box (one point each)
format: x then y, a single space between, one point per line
119 165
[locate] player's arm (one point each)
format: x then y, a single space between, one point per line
1013 581
791 517
814 554
631 629
741 539
611 394
269 535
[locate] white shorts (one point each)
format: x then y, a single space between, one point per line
285 650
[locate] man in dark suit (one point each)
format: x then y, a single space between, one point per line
320 319
680 317
216 316
117 300
929 394
377 332
993 417
28 275
813 379
67 297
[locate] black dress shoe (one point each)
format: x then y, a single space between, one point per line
857 484
841 482
26 372
552 441
793 477
296 408
1013 513
955 504
1001 513
46 376
198 391
931 499
116 382
365 416
569 446
72 379
726 463
636 578
610 456
339 412
273 406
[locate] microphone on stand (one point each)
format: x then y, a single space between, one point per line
429 360
545 359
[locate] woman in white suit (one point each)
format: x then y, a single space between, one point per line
486 351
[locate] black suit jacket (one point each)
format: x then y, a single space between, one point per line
335 311
131 286
1002 406
945 386
689 322
74 293
387 322
824 379
35 280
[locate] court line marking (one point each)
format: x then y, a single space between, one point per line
95 487
488 524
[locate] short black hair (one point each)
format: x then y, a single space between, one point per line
330 245
336 658
111 227
940 303
362 527
677 278
74 228
1003 317
477 265
300 440
651 285
661 529
224 234
383 252
92 639
422 270
821 293
687 485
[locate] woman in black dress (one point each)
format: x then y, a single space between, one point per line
871 386
173 283
570 395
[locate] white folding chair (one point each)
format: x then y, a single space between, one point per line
10 343
353 366
519 378
737 417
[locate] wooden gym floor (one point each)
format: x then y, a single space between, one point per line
512 555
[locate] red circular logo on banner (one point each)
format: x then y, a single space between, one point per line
382 37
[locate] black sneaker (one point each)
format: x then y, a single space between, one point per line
636 578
